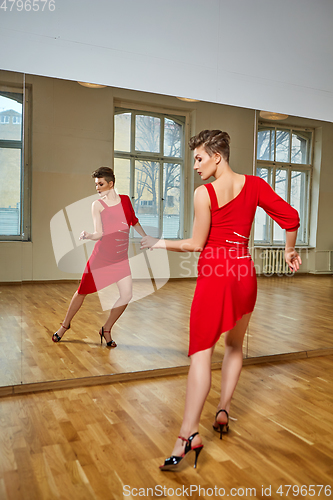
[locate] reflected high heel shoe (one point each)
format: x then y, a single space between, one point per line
221 428
111 343
173 463
56 337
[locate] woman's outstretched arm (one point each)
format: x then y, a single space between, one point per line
139 229
201 227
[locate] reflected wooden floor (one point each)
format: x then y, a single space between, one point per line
292 314
99 443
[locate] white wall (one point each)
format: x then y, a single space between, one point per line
258 54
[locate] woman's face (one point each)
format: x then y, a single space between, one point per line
102 185
204 164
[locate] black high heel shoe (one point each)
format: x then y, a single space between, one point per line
221 428
111 343
56 337
174 462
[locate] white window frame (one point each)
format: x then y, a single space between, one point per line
133 155
272 166
24 145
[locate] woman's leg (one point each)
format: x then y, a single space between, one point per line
125 295
198 386
232 364
74 306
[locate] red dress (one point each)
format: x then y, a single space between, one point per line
227 285
108 262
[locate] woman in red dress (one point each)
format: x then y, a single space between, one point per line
226 289
113 215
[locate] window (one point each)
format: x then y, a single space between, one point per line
149 166
17 120
284 161
146 202
14 187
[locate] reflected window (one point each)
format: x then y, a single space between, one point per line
300 149
122 132
282 146
14 203
147 133
265 143
284 161
262 227
173 132
149 164
281 188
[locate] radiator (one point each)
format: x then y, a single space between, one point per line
273 261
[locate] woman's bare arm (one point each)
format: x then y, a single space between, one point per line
291 256
139 229
98 229
201 227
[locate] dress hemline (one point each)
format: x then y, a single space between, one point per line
224 331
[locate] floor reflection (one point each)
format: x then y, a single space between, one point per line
291 315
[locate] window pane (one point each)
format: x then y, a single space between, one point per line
147 133
122 172
283 145
171 203
300 147
10 191
281 187
281 183
122 132
11 118
172 138
147 195
261 227
265 146
298 199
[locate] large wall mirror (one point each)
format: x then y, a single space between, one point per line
54 133
14 224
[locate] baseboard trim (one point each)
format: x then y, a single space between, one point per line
52 385
320 273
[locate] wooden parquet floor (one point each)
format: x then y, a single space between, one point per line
292 314
106 442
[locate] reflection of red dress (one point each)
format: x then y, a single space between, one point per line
108 262
227 285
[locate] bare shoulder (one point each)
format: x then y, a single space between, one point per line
201 193
96 206
201 198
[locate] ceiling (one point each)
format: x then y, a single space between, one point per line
260 54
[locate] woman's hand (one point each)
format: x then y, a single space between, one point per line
149 242
293 259
84 236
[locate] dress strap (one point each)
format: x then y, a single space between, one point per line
103 203
212 195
